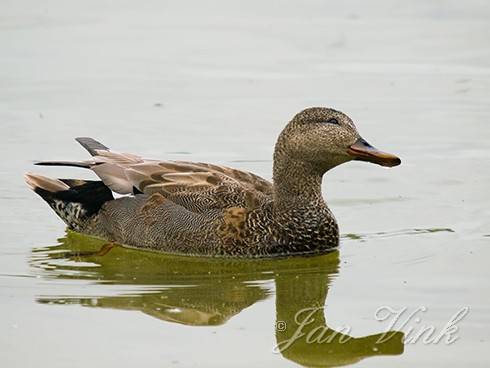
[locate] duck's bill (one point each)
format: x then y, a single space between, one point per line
363 151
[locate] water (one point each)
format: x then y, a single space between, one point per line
217 82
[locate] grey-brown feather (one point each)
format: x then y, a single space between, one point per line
91 145
192 228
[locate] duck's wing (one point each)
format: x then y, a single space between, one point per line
194 184
199 186
176 176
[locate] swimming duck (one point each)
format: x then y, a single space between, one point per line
209 210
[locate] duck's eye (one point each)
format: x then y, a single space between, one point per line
332 121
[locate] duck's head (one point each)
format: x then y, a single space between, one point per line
325 138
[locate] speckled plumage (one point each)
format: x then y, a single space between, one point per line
203 209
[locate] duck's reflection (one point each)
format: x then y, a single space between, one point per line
196 291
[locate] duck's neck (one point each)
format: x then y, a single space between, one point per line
296 182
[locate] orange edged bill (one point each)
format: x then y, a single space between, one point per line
363 151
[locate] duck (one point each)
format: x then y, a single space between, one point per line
208 210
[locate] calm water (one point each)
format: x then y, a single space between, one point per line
217 82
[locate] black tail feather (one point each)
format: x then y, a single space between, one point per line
79 203
64 163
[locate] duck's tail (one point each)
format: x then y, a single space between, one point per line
73 200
